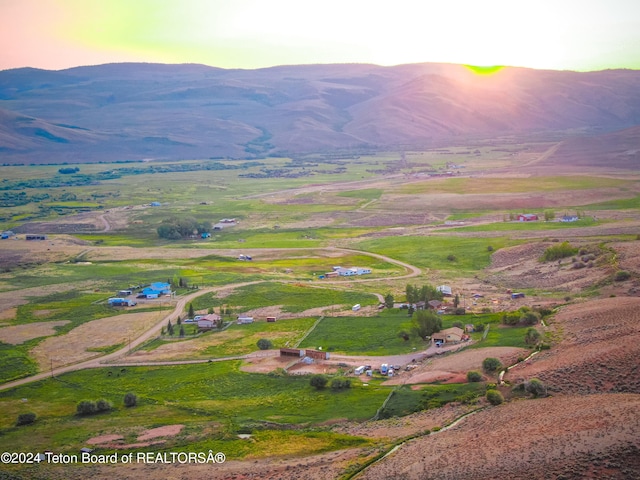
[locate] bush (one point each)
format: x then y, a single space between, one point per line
530 318
489 248
474 376
340 383
26 419
532 336
451 257
103 405
621 276
264 344
459 311
536 388
494 397
558 251
318 381
130 400
491 364
86 407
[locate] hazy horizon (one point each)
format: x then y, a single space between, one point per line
574 35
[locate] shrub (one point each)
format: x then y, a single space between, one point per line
459 311
489 248
532 336
536 388
530 318
340 383
103 405
557 252
491 364
621 276
86 407
457 324
26 419
130 400
318 381
474 376
264 344
451 257
494 397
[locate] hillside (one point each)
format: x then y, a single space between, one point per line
153 111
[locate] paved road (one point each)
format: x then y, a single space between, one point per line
118 358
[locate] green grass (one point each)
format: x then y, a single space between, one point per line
406 400
15 362
216 391
366 335
466 185
470 254
621 204
518 226
293 298
501 336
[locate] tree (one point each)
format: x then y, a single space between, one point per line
130 400
532 337
181 330
494 397
179 321
388 300
170 328
318 381
340 383
426 323
264 344
410 310
86 407
536 388
26 419
530 318
192 312
549 215
456 301
491 364
411 293
103 405
474 376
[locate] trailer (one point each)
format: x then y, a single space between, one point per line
359 370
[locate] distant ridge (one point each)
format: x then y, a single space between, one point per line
135 111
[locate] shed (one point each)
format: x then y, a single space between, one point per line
244 320
291 352
317 354
445 290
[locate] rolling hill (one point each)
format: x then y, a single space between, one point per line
154 111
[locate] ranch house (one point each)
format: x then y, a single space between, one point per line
448 335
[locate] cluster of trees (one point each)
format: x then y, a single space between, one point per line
319 382
68 170
175 228
89 407
426 293
523 316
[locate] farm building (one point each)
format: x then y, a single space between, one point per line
207 322
347 272
527 217
157 289
435 304
316 354
244 320
271 319
291 352
445 290
31 236
120 302
448 335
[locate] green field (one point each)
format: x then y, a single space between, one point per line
376 335
471 254
190 394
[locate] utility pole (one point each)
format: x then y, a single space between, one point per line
51 359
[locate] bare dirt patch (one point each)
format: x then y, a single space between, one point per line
166 431
519 267
17 334
598 352
102 439
449 367
8 314
72 347
576 437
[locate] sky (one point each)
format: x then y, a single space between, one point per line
545 34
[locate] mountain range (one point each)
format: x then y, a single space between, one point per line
121 112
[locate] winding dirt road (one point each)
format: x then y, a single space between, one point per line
117 358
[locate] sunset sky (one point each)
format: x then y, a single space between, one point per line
553 34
